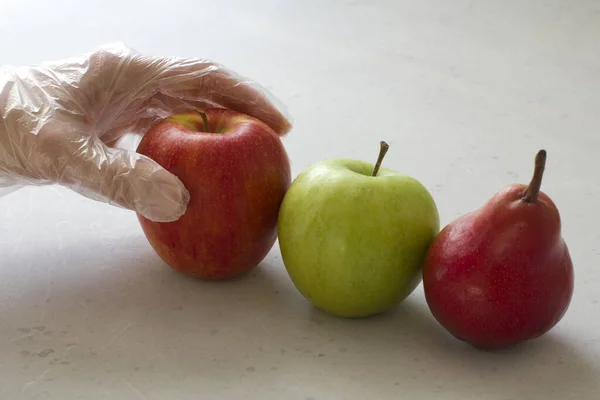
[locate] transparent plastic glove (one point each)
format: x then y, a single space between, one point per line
61 123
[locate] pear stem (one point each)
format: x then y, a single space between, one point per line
382 150
204 119
531 193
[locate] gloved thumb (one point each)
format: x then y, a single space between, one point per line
128 180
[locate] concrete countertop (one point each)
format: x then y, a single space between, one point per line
465 92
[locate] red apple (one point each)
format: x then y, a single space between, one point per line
237 172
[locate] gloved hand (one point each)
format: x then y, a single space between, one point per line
61 120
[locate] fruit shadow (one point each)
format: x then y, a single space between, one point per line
128 317
429 361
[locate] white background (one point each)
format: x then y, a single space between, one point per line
465 92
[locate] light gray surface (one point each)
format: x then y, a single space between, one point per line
465 92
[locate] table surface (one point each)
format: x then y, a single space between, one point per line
465 93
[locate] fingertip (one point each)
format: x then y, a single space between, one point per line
138 183
286 127
162 197
270 109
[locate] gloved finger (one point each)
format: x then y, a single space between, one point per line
126 179
132 78
202 80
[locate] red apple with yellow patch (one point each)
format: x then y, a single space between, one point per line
237 172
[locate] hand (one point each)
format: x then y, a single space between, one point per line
61 123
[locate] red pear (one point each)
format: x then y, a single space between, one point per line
501 274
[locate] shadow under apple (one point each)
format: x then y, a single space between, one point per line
133 319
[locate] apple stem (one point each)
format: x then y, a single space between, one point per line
531 193
382 150
204 119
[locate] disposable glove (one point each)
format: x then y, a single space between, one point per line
61 123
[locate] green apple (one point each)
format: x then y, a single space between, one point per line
353 235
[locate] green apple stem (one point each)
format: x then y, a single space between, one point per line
382 150
204 119
531 193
